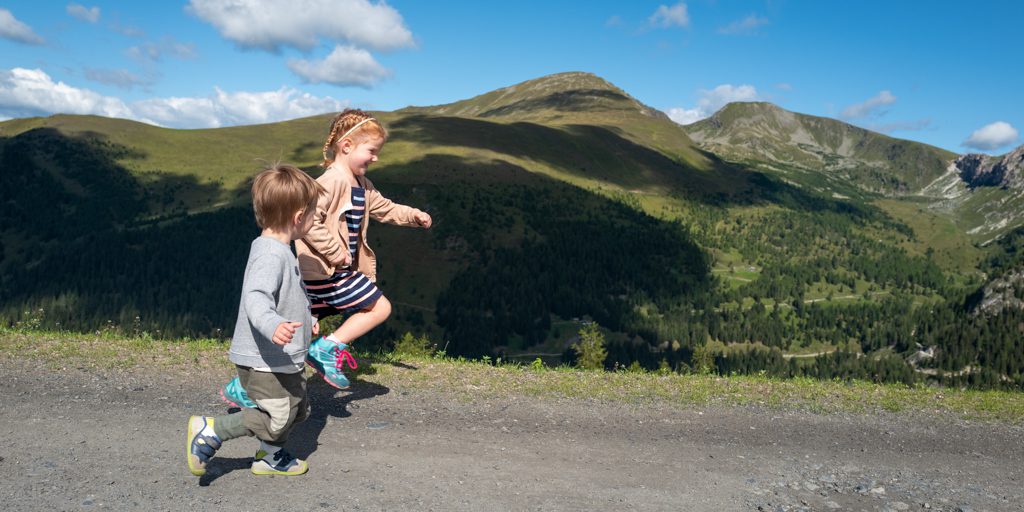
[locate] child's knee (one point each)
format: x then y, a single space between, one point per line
382 307
280 414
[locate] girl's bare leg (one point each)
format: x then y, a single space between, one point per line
363 321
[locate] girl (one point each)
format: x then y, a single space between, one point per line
338 267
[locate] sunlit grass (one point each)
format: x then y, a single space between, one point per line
468 380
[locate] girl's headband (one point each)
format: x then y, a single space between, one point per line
350 130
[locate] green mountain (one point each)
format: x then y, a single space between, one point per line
577 99
767 134
556 201
832 157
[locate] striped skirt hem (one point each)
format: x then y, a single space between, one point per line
346 291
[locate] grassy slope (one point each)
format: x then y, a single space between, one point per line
587 148
765 132
578 99
597 138
226 157
468 380
833 157
953 248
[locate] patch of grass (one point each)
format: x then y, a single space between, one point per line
953 248
476 379
107 350
468 380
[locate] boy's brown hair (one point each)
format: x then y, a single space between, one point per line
280 191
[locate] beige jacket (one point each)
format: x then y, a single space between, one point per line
321 250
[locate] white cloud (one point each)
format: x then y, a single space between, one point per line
272 24
117 77
150 51
613 21
31 92
784 86
11 28
229 109
346 65
871 107
666 17
685 115
745 26
992 136
83 13
712 100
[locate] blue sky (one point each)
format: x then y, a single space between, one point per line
943 73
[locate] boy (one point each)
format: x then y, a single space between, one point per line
272 333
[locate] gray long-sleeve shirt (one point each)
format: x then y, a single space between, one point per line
272 292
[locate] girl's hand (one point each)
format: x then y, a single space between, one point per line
424 220
346 259
316 327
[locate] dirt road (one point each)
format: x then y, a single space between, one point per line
77 440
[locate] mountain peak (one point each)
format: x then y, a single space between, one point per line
763 132
764 115
548 98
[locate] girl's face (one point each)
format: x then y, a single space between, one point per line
361 154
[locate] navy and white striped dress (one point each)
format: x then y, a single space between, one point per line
347 290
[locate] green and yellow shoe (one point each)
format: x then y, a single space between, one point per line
200 444
278 463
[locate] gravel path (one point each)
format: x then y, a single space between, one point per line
75 440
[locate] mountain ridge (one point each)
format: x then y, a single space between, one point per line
876 163
609 207
570 91
575 99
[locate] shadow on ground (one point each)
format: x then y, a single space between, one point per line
325 401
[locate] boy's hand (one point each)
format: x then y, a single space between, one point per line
284 332
424 220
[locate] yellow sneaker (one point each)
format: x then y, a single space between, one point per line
200 444
278 463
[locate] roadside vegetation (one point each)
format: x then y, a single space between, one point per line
417 365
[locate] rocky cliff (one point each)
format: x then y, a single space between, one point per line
987 171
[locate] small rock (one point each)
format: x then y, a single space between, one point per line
832 505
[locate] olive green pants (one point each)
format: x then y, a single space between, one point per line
282 402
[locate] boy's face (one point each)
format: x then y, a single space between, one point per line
305 224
